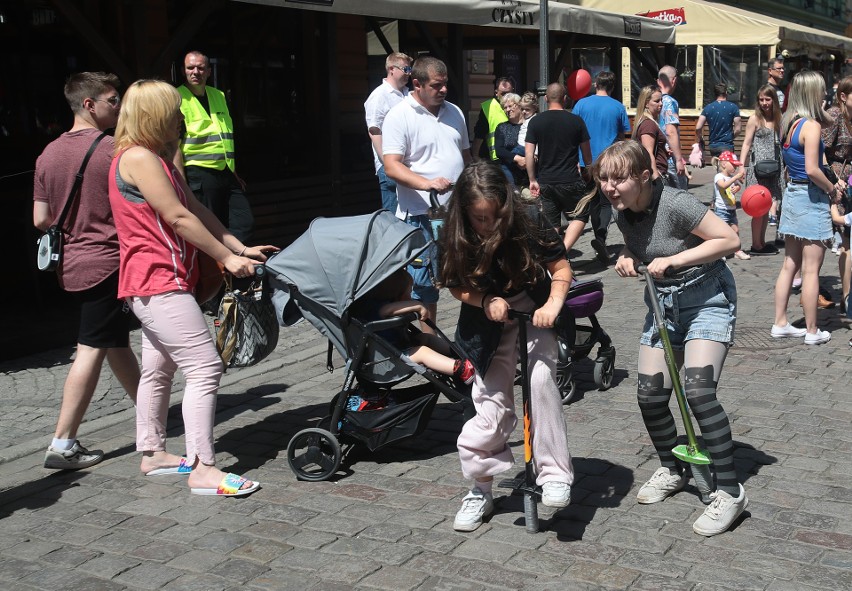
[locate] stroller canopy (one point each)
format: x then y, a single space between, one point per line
334 263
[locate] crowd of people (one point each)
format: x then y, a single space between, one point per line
164 192
532 170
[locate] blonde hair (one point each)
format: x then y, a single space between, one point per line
627 158
642 107
807 92
717 163
394 58
148 111
529 101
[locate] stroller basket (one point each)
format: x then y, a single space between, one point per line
394 416
585 299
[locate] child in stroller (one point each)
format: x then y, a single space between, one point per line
323 277
391 298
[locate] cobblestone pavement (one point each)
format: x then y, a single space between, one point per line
386 522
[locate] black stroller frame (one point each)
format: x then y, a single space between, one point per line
321 277
576 342
315 454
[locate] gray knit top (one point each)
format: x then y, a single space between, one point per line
665 228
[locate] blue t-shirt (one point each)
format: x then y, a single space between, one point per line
720 122
605 118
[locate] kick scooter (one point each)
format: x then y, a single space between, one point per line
526 484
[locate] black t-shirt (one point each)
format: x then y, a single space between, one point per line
558 135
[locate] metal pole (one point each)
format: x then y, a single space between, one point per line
543 54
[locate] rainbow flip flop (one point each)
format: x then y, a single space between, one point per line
228 487
182 468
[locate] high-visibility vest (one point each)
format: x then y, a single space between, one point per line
495 115
209 141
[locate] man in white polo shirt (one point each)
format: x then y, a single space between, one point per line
425 146
386 96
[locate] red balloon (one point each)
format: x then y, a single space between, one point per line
579 82
756 201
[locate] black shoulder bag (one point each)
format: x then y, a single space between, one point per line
49 246
764 169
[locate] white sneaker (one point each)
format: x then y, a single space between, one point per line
475 506
818 338
555 494
788 330
72 459
742 256
664 483
721 513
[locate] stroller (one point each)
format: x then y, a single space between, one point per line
320 277
576 342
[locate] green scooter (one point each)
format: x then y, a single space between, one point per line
698 459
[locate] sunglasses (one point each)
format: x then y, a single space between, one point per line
113 101
403 69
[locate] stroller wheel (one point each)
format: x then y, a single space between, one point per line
568 391
565 380
314 454
604 367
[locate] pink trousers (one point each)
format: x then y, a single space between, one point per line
483 443
175 335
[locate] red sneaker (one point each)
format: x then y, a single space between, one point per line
467 372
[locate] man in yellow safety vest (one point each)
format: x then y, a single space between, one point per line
206 154
490 116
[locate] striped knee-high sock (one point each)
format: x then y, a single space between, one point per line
700 389
654 403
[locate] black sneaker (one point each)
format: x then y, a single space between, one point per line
602 254
766 249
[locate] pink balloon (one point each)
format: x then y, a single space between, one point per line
579 83
756 201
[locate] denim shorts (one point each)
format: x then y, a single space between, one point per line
424 289
729 216
806 213
702 306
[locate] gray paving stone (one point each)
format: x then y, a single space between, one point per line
239 570
197 561
287 580
196 582
148 576
31 549
393 513
392 579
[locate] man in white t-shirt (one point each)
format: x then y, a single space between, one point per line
386 96
425 146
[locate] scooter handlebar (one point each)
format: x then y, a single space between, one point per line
517 315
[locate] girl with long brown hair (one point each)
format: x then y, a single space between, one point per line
495 256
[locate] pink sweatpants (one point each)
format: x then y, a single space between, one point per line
483 448
175 335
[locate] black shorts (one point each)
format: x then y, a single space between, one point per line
556 199
104 319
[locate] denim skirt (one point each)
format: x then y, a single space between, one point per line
805 213
701 306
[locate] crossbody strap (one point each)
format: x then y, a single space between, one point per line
78 180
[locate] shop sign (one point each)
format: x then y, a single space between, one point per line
509 13
632 27
676 16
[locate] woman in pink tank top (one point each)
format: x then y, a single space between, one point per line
161 226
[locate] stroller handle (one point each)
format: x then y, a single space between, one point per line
433 198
